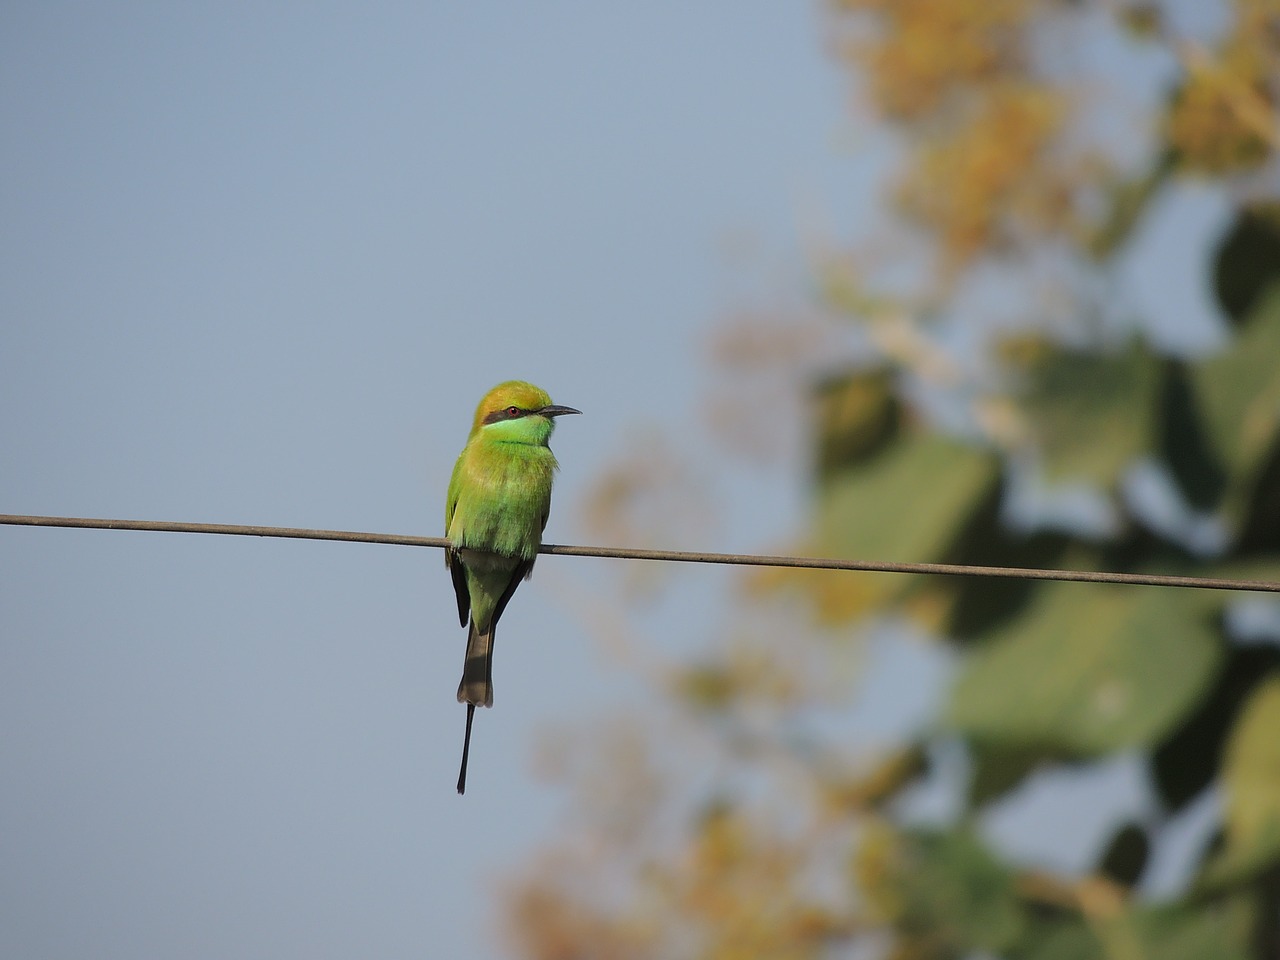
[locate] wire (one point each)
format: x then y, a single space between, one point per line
676 556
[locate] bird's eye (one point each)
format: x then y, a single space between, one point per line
513 412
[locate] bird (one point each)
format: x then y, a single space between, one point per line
497 506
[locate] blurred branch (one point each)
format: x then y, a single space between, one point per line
1250 107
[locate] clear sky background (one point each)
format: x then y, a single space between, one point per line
258 262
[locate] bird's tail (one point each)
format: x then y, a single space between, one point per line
477 670
476 688
466 749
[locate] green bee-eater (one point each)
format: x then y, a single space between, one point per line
499 498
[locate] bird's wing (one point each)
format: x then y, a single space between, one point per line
451 502
459 574
528 570
451 558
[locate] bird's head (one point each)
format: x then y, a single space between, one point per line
517 412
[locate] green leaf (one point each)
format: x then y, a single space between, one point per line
1091 668
951 890
1207 931
1189 759
964 608
1092 413
1238 392
996 770
856 415
905 504
1251 779
1061 939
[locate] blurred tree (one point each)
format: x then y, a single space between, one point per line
1023 168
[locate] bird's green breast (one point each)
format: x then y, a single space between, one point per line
501 494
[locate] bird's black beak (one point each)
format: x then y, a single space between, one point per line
555 410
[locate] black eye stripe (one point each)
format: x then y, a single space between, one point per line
506 413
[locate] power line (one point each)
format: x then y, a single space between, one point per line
674 556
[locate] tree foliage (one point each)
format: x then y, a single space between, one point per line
1017 163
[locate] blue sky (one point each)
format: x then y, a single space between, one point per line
258 262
